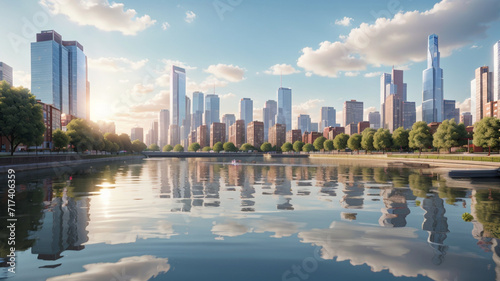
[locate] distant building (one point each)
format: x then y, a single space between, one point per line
481 92
6 73
154 132
201 136
314 127
277 135
269 115
310 137
284 115
217 133
105 127
163 125
255 133
246 110
198 110
293 136
393 99
192 138
137 133
450 111
336 131
351 129
433 126
393 113
496 71
466 118
178 112
491 109
304 123
212 108
362 126
409 114
353 112
52 122
237 133
328 117
374 119
174 135
229 120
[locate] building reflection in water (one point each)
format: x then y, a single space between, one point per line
396 206
436 224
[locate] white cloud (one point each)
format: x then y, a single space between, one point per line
163 80
206 85
168 64
366 111
464 106
100 14
190 16
230 229
230 73
373 74
165 26
227 96
281 69
402 39
139 268
351 74
309 74
140 88
116 64
418 110
306 107
346 21
155 104
22 78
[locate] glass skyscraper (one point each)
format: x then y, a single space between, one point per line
246 110
269 115
304 123
198 109
212 108
59 74
432 102
284 115
177 96
328 117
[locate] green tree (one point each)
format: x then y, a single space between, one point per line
354 142
297 146
287 147
218 147
319 143
487 133
114 138
112 147
138 146
125 142
194 147
340 141
308 147
382 139
98 139
328 145
80 135
447 135
167 148
400 138
206 149
367 139
60 139
154 147
266 147
229 147
21 117
178 148
420 136
246 147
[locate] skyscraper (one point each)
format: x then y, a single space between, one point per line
237 133
432 96
137 133
473 99
328 117
163 125
393 95
496 70
385 79
483 91
374 119
59 74
154 132
304 123
314 127
269 115
409 114
284 115
198 109
246 110
353 112
212 108
6 73
450 111
177 102
229 120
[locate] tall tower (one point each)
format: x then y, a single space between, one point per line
432 95
246 110
269 115
284 115
212 108
177 103
198 109
163 125
328 117
496 71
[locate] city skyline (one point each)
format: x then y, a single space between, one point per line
136 102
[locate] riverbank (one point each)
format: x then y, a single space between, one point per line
66 163
151 154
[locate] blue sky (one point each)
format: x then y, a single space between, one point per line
330 51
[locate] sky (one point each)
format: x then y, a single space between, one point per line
327 52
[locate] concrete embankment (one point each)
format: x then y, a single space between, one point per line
69 163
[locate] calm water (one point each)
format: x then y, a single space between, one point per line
293 219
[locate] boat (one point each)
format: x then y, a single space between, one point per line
474 173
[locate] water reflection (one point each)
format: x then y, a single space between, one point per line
389 218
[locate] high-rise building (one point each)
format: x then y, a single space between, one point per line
409 114
314 127
450 111
229 120
246 110
466 118
212 108
284 115
59 74
328 117
52 122
6 73
106 127
385 80
394 97
137 133
217 133
186 125
293 136
432 95
163 125
304 123
174 135
351 129
496 70
201 136
483 91
154 132
198 109
277 135
177 103
255 133
353 112
362 126
473 100
269 115
374 119
237 133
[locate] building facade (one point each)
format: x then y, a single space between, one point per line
328 117
137 133
374 119
269 115
353 112
336 131
6 73
293 135
450 111
177 103
284 115
217 133
52 121
212 109
466 118
409 114
237 133
351 129
304 123
496 70
229 120
277 135
432 95
201 136
481 91
198 110
246 110
163 125
362 126
255 133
